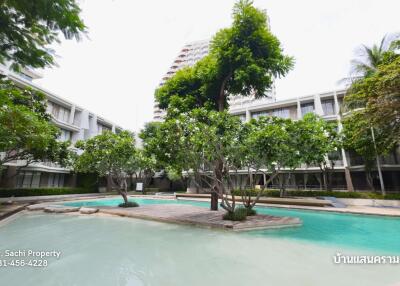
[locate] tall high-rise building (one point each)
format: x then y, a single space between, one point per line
190 54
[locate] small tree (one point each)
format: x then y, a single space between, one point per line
26 133
319 140
269 146
142 166
108 155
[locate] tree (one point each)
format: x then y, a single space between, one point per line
108 155
270 144
27 28
371 57
379 95
358 137
244 59
191 142
319 142
26 132
373 100
142 166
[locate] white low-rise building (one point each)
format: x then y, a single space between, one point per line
75 123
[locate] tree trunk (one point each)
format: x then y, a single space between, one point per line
217 185
370 180
325 179
124 195
218 189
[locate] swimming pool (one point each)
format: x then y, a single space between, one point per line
121 251
358 232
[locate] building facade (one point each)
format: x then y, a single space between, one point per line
75 123
348 171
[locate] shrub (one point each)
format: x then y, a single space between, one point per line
4 193
238 215
150 190
129 204
251 211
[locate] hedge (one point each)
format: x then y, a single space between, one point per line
4 193
350 195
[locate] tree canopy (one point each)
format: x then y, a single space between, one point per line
26 132
27 28
244 59
109 155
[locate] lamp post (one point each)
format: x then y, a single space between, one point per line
378 163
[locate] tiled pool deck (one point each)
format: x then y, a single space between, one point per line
201 217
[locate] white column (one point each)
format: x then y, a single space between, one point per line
337 107
248 115
318 105
299 115
72 115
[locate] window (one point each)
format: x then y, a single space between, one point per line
56 180
101 128
328 106
242 117
58 112
28 179
65 135
259 114
281 112
306 108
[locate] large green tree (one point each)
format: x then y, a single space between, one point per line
373 102
358 137
243 60
26 132
28 27
109 155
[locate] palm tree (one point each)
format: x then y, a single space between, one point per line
370 57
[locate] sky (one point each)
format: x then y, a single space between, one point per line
114 70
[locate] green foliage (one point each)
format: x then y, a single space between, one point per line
151 190
243 59
372 57
26 132
192 141
4 193
239 214
105 154
379 96
27 28
130 204
251 212
272 143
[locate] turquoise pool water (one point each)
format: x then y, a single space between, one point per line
104 251
375 233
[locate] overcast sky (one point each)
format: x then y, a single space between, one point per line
131 44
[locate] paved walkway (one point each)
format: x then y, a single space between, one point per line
8 210
202 217
58 197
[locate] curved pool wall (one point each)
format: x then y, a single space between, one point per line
375 233
119 251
